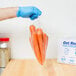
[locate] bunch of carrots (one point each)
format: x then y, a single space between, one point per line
39 42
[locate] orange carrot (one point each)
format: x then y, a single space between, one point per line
40 40
45 40
32 29
36 47
34 43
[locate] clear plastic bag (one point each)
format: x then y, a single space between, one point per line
38 40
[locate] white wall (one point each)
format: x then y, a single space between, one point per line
58 20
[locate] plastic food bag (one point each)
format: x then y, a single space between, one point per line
39 41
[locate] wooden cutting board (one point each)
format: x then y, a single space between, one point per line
33 68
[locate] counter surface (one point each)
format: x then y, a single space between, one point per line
30 67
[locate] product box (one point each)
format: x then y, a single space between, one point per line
67 51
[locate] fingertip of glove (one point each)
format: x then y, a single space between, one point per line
33 18
37 11
40 13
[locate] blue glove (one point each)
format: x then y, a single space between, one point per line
29 12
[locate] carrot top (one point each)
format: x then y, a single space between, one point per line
32 28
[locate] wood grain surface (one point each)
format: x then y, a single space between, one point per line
33 68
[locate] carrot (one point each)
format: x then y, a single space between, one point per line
36 47
45 40
34 43
40 40
32 29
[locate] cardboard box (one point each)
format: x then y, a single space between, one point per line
67 51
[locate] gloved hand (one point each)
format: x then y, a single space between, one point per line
29 12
